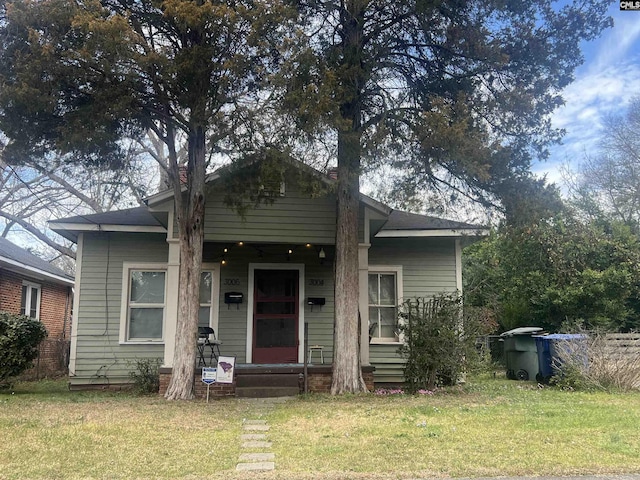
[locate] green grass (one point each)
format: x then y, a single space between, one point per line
107 435
489 427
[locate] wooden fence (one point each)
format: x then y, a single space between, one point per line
623 344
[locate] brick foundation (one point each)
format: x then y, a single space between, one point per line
321 382
200 389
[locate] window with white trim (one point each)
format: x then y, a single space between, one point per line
206 298
146 302
30 301
384 295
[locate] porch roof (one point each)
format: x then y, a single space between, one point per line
405 224
138 219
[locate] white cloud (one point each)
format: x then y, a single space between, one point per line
602 87
620 40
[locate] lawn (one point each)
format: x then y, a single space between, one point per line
486 428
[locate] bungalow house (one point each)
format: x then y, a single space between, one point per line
266 287
32 286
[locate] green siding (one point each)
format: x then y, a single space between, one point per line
428 268
232 319
294 218
319 320
387 362
100 359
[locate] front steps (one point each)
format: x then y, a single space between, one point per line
265 385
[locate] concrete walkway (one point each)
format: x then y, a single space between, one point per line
254 438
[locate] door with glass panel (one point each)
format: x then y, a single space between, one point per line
275 316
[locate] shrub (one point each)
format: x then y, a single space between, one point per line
19 340
146 377
439 341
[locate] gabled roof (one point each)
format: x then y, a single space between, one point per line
138 219
20 260
165 195
405 224
390 223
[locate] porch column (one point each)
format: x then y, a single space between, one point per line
363 303
171 308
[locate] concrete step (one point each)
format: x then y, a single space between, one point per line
267 380
266 391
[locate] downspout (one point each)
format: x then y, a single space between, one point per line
66 312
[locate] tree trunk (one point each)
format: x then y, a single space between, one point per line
190 215
347 374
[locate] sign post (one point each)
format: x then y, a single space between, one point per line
208 377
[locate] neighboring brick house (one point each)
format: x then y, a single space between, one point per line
32 286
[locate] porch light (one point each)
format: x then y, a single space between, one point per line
322 255
308 245
290 251
223 262
240 244
226 250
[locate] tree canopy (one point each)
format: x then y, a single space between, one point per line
607 183
557 273
457 94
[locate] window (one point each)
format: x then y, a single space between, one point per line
30 301
272 188
145 304
384 295
206 298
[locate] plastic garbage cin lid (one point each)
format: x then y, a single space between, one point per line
521 331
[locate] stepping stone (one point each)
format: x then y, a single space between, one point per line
256 444
256 466
253 436
258 428
257 457
255 422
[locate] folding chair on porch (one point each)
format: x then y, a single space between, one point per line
207 340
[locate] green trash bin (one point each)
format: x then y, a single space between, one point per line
520 353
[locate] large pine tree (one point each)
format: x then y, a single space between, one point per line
458 91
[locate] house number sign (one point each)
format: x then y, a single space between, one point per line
231 282
316 282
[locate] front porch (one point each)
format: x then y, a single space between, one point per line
267 380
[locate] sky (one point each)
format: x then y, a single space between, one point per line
604 84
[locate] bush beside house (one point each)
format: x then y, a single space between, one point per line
19 339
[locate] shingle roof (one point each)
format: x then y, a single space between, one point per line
12 252
141 216
130 216
399 220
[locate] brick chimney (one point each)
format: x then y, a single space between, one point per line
182 171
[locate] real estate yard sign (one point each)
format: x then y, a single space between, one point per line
209 375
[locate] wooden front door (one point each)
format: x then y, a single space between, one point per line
275 316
